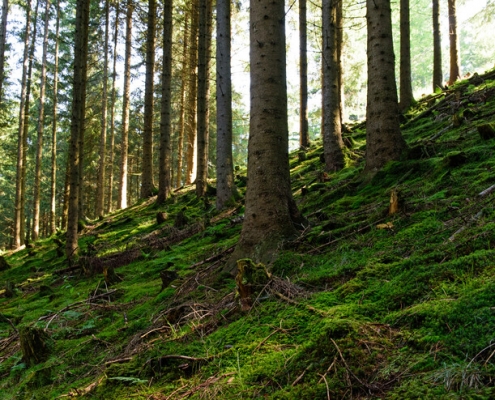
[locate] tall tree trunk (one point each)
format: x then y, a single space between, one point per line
303 76
53 171
82 193
77 123
122 196
112 113
191 97
203 135
406 92
41 122
182 112
437 47
100 183
3 37
25 129
333 145
455 64
164 182
21 141
270 209
225 166
384 141
147 161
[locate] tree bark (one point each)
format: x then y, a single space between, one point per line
384 141
406 92
53 171
303 76
182 112
40 129
122 196
270 209
203 134
225 167
3 37
22 141
147 160
437 47
455 65
111 147
77 124
333 145
100 183
164 181
191 97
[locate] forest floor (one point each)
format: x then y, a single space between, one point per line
364 304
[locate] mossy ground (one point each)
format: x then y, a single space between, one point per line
402 312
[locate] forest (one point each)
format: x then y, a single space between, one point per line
264 199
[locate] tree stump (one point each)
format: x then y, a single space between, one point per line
394 202
486 131
181 219
161 217
34 345
250 279
4 265
167 278
455 158
9 289
110 276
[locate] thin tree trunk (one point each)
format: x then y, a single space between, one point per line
53 172
77 124
191 98
203 134
147 167
82 194
65 204
406 92
165 183
303 76
437 47
182 113
21 141
25 125
41 121
333 145
3 38
112 114
455 65
122 196
100 183
225 168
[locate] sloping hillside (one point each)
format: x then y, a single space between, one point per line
363 304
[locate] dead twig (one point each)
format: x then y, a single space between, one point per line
364 384
326 384
77 303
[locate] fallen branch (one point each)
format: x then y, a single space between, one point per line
213 258
120 360
487 191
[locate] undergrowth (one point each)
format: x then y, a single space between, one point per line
363 304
